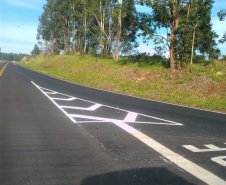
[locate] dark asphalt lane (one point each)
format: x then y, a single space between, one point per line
40 145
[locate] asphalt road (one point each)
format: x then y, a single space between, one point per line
56 132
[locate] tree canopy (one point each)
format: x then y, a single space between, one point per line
36 50
12 56
88 26
111 27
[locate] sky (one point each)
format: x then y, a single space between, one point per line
19 21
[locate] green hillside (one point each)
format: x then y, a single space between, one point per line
143 76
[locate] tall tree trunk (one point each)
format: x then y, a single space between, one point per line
193 40
73 32
102 28
85 45
172 38
185 33
119 30
192 49
111 10
66 38
52 46
176 26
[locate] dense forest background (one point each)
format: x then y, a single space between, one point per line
12 56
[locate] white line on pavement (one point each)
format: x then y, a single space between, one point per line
177 159
51 92
64 99
210 148
91 108
131 117
73 120
147 116
220 160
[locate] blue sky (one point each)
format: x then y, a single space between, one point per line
19 22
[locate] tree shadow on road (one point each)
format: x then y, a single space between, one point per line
144 176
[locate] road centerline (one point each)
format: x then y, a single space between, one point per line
1 72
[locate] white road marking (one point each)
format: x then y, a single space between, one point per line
100 119
92 108
131 117
51 92
211 148
220 160
177 159
95 106
55 103
92 118
64 99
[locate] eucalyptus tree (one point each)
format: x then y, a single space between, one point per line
115 24
48 28
165 14
189 22
87 25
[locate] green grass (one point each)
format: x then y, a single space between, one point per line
146 77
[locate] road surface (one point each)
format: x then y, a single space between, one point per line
56 132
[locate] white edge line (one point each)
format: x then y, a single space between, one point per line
177 159
117 92
72 119
174 123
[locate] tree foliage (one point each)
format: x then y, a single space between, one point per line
12 56
36 50
111 27
88 26
188 24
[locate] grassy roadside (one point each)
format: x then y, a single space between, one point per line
147 78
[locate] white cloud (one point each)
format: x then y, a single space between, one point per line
30 4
